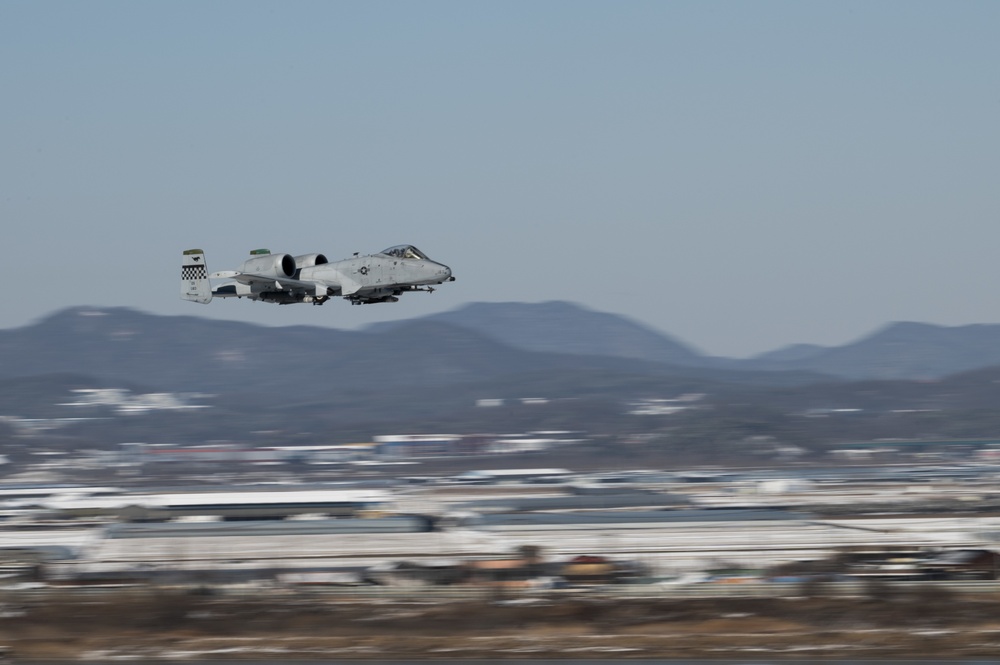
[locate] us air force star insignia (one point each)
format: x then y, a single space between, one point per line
363 270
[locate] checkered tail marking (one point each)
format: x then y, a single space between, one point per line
194 271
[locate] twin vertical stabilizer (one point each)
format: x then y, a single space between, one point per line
194 277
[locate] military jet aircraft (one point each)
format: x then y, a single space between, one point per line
310 278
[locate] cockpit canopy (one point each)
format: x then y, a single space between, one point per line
405 252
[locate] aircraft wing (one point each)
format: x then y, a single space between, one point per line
349 286
276 282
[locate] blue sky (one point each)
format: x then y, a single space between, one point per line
741 175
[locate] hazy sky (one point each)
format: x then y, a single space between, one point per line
741 175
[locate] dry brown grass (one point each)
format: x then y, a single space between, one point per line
151 623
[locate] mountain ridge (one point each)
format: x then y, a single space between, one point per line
191 353
426 374
902 350
899 350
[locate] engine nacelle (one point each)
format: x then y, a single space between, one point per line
310 260
270 265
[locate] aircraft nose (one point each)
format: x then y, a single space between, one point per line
445 273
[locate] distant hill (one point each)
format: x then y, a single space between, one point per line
563 327
477 343
311 383
192 354
302 384
40 396
186 353
791 353
899 351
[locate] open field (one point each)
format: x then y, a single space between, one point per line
920 622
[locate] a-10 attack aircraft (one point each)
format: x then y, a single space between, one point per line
286 279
